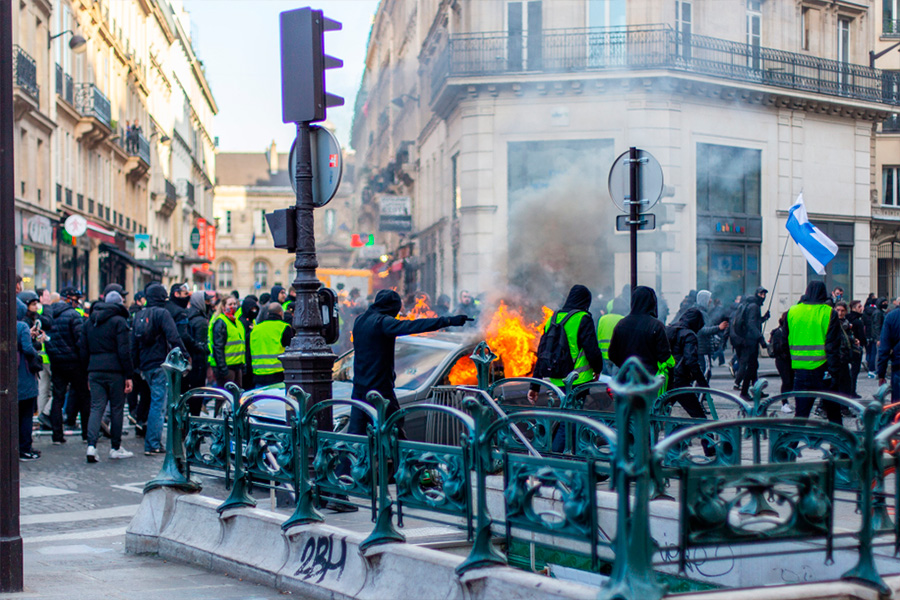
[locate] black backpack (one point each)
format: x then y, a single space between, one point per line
739 325
553 353
143 325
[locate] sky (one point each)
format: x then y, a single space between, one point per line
238 42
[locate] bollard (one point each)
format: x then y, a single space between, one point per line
483 357
171 474
306 512
384 532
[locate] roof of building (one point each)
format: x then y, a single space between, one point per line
251 169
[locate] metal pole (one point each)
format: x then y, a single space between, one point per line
309 360
10 538
634 209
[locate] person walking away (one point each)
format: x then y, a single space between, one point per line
605 327
688 369
578 348
877 325
28 342
106 343
746 334
198 327
226 344
642 335
857 324
154 334
708 336
65 364
179 297
269 340
781 352
842 384
247 316
814 338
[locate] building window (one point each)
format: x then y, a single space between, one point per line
260 275
455 192
226 275
728 179
890 20
262 221
227 221
683 28
839 272
843 41
804 28
90 206
524 24
330 217
607 13
890 194
754 32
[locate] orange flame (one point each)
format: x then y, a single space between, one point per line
421 310
513 338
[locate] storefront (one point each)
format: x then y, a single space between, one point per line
36 255
73 261
114 263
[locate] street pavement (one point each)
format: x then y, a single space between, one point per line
74 517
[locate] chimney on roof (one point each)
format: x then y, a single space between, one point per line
272 157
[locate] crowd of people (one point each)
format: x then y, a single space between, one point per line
83 362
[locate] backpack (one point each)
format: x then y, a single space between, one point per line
553 353
739 325
143 326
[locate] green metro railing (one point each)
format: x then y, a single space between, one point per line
729 476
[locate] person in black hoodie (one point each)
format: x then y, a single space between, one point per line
65 363
642 335
747 337
198 326
682 338
105 344
374 334
249 313
179 297
781 352
857 323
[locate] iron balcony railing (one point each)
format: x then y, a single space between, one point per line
658 47
190 192
91 102
891 124
25 70
135 144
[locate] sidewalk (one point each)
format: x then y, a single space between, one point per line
84 568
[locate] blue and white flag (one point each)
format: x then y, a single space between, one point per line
816 246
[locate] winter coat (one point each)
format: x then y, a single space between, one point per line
859 329
62 347
706 337
150 354
682 338
106 340
751 327
180 317
27 381
816 294
889 350
249 312
374 335
640 333
878 320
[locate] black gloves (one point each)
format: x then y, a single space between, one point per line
457 320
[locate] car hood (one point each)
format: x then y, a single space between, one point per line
272 411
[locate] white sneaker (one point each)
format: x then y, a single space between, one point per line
120 453
786 408
91 454
871 374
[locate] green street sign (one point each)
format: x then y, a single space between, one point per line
195 238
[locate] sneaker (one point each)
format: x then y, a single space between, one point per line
91 454
120 453
731 369
29 455
871 375
59 442
787 409
155 452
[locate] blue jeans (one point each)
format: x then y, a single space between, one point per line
156 378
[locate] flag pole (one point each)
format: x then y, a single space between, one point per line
780 263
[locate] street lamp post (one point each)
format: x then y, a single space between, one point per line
11 576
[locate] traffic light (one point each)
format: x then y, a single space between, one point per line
303 64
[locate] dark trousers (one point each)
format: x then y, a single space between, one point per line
26 420
269 379
139 400
787 374
235 374
106 388
813 380
63 376
855 368
748 367
871 354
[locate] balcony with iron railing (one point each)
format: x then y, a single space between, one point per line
655 47
25 73
134 144
91 102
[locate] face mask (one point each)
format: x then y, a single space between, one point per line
182 302
230 310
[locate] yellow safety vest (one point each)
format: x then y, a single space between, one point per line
265 347
582 366
234 346
605 327
807 328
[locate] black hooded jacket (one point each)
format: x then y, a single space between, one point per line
151 353
178 308
579 300
817 294
685 350
640 334
105 342
374 334
62 347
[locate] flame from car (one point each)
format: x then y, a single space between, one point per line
513 338
420 310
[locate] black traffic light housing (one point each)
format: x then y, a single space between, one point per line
283 225
331 325
303 64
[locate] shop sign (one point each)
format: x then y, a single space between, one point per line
142 246
40 230
195 238
395 214
75 225
201 230
211 243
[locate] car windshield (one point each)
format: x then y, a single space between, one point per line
413 363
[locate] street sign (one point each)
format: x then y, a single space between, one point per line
327 164
395 213
75 225
142 246
651 181
646 222
195 238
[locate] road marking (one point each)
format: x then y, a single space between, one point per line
128 510
72 549
137 487
75 535
41 491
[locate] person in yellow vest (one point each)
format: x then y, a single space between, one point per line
605 326
814 338
44 377
226 343
270 338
